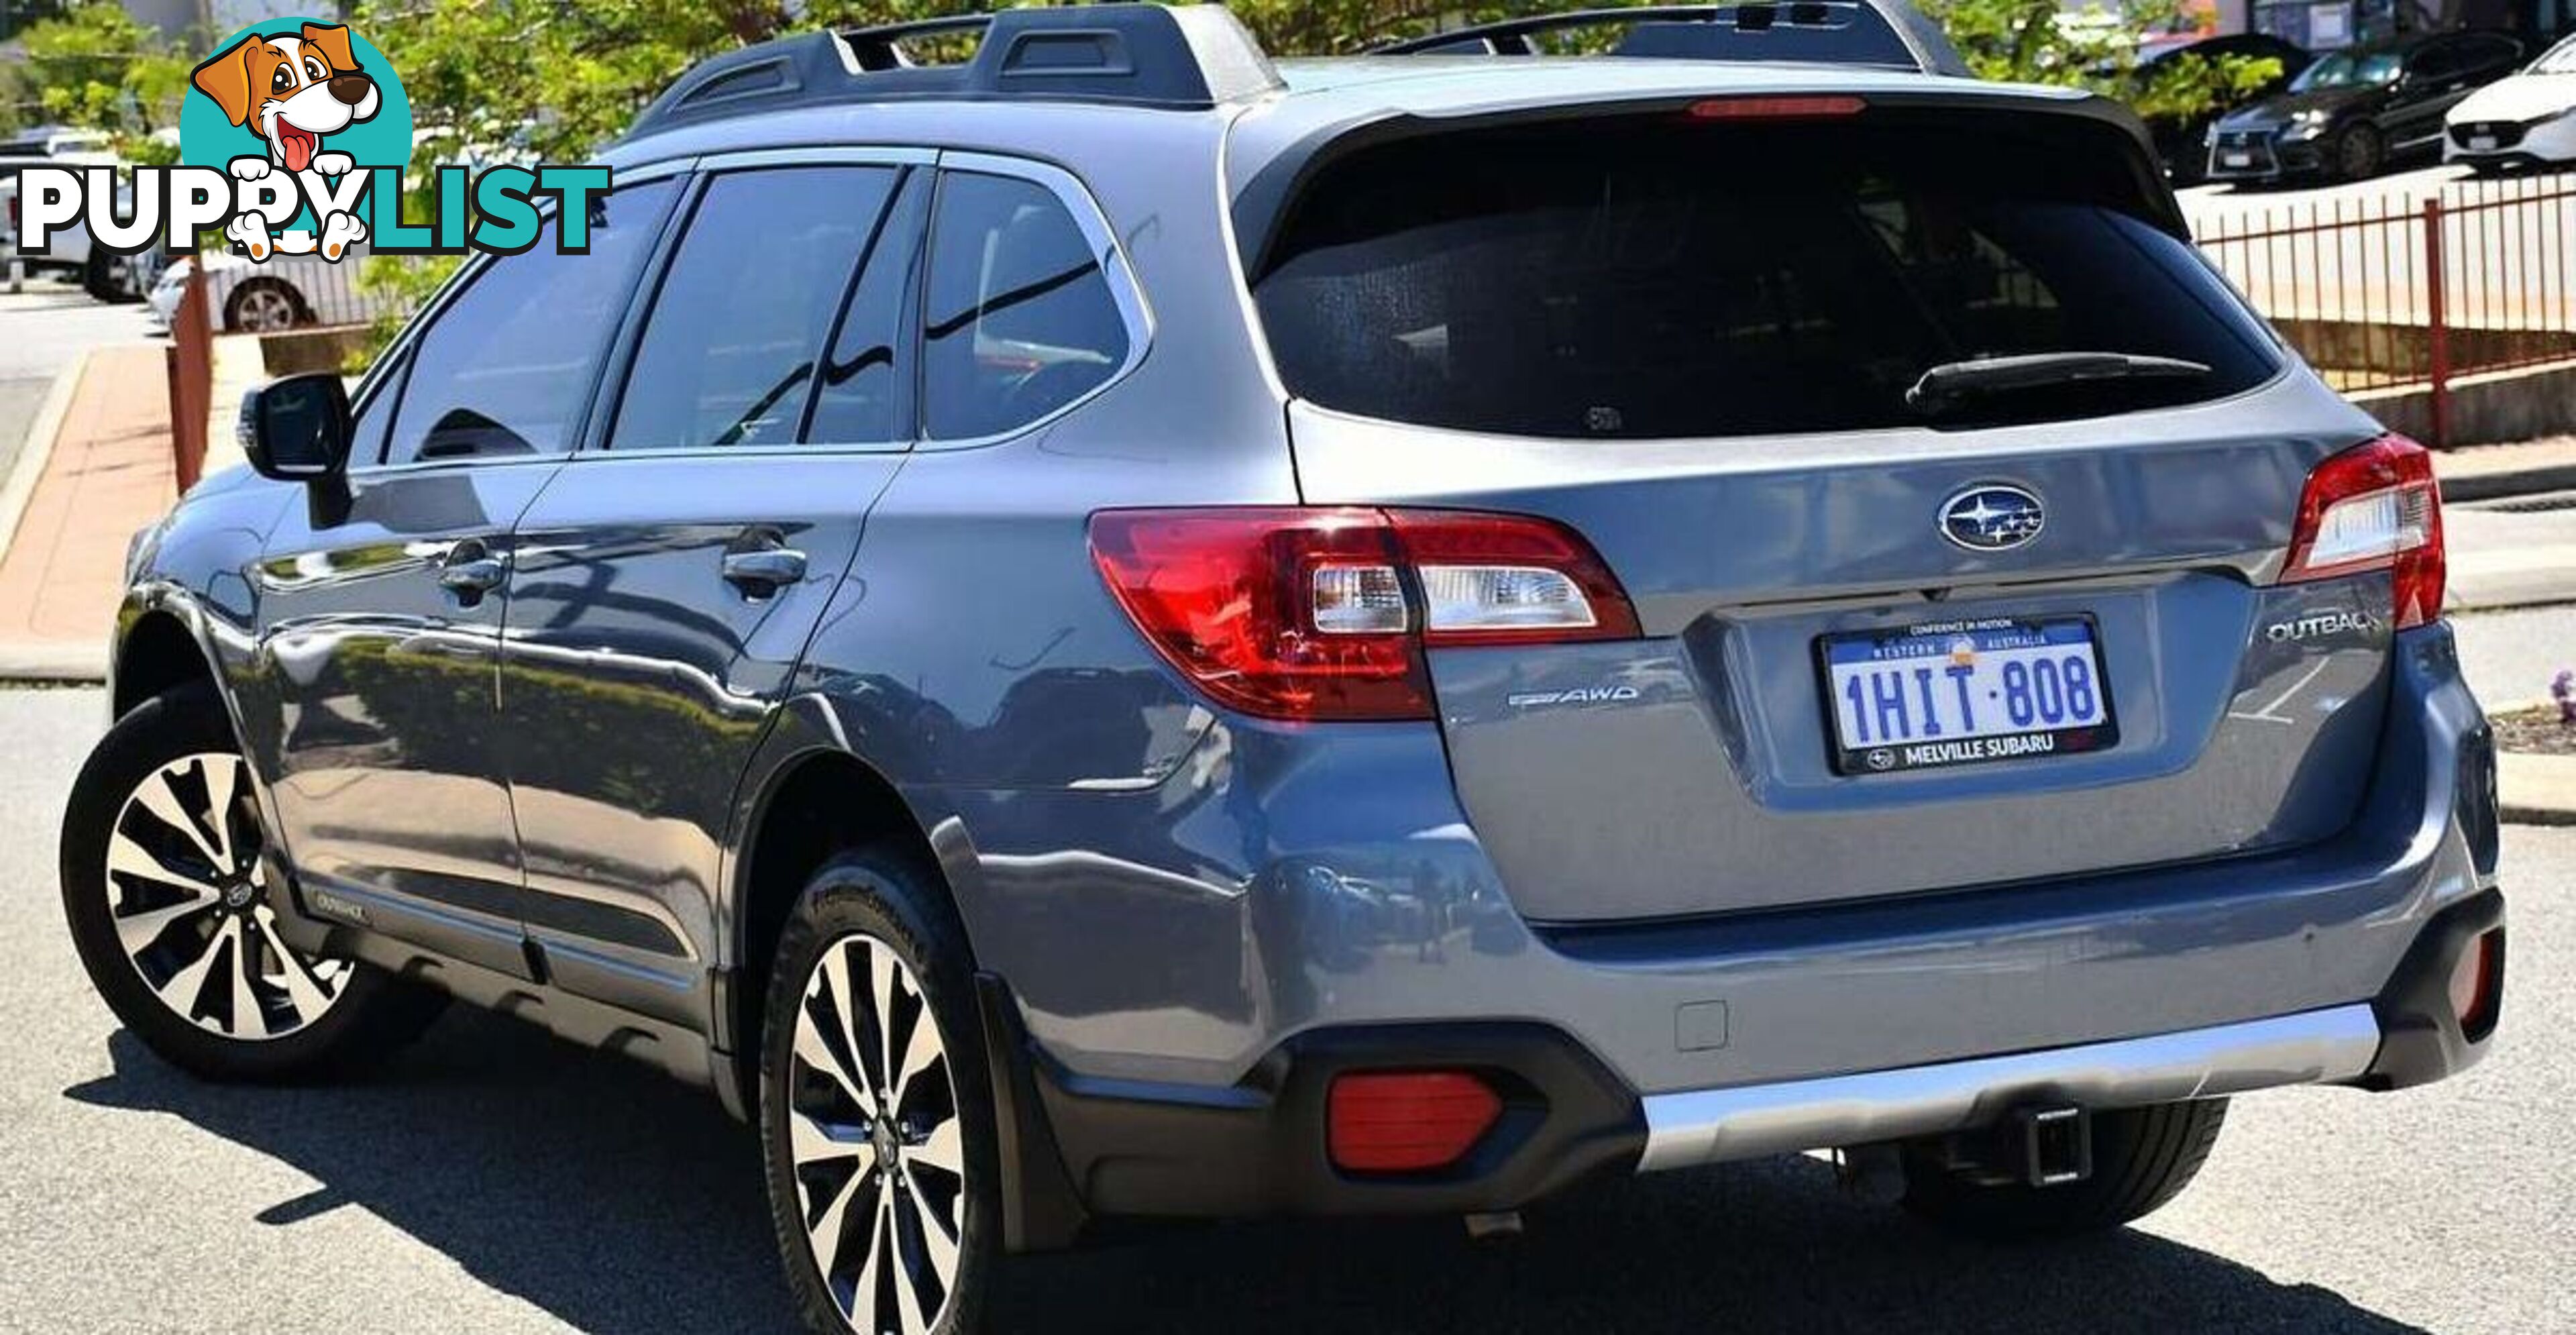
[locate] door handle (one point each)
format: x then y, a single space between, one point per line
469 570
764 571
475 578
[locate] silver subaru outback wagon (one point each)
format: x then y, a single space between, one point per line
1121 630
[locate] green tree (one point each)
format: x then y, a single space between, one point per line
96 67
2037 41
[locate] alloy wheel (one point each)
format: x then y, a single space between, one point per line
264 310
189 900
875 1140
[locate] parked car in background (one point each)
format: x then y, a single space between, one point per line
2351 113
68 251
2182 142
55 141
282 292
2525 120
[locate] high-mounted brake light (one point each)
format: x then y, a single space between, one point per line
1323 613
2375 507
1776 108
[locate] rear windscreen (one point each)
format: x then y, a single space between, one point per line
1661 276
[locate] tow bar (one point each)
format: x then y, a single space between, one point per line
2036 1144
2056 1144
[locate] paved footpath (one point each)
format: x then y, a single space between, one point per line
108 474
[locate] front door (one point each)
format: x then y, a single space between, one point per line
381 608
665 585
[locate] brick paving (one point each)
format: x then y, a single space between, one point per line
109 474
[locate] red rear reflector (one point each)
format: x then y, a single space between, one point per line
1315 614
2374 507
1408 1122
2475 989
1775 108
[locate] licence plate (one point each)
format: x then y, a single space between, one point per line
2482 143
1963 692
2236 159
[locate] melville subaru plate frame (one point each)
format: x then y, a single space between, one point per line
1934 752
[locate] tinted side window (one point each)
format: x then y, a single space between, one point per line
1020 319
2438 61
2485 54
510 362
728 352
865 390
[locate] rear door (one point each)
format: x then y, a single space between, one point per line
1890 646
665 586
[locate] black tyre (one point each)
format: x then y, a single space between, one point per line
2359 152
2142 1158
876 1122
110 278
172 911
264 306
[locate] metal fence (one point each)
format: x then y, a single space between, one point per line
302 290
2403 293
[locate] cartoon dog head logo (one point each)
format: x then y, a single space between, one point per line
291 91
309 97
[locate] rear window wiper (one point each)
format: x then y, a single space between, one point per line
1984 377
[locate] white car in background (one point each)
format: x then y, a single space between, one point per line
68 253
2526 120
281 292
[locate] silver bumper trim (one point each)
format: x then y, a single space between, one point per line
1750 1121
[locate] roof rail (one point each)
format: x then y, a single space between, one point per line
1188 57
1888 34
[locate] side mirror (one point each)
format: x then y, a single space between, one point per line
297 429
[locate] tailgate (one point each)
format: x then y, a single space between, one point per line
1892 642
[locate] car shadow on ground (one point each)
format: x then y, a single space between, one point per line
618 1200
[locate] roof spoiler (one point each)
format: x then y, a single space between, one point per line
1189 57
1880 34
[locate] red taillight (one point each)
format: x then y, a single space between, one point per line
1775 108
1323 613
1408 1122
2375 507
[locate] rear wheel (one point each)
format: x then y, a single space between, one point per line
2142 1158
876 1122
173 910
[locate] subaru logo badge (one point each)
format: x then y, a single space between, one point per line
1992 517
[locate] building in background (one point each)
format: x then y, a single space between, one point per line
2324 25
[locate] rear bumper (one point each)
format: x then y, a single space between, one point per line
1292 888
1083 1148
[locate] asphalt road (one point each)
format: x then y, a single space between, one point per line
494 1181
